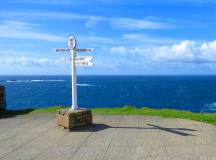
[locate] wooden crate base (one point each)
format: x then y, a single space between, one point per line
70 119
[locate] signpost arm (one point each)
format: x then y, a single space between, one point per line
74 81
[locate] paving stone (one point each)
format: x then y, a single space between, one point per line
148 152
36 136
120 153
36 146
183 151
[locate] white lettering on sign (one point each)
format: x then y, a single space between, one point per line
75 49
83 63
77 59
84 58
63 50
84 49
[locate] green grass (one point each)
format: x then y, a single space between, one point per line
49 110
169 113
130 110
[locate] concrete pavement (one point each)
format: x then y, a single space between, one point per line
36 136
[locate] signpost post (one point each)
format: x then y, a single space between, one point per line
86 116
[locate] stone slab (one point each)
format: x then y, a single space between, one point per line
37 137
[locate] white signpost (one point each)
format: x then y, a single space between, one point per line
75 61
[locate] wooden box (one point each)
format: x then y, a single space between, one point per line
74 118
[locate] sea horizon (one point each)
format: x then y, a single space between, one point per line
109 75
183 92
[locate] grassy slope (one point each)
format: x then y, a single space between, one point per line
128 110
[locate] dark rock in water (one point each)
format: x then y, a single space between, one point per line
2 98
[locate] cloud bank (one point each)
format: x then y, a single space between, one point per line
184 52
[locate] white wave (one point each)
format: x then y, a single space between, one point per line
51 80
85 85
209 108
16 81
34 80
40 80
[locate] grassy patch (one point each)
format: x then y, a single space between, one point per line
48 110
129 110
169 113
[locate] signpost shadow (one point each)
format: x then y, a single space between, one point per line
99 127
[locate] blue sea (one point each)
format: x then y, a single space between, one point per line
192 93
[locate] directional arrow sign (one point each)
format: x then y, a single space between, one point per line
83 63
75 49
78 60
63 50
84 49
84 58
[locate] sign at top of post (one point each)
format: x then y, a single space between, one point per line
72 42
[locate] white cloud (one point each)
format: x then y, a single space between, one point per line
186 51
125 40
23 30
119 50
148 39
183 52
93 21
28 61
208 50
125 23
50 15
136 24
133 51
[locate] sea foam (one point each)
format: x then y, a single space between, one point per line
85 85
33 80
209 107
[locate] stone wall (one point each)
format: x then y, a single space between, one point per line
2 98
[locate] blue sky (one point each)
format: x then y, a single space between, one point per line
130 37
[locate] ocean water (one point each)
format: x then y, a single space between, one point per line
193 93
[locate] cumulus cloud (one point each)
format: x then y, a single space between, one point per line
183 52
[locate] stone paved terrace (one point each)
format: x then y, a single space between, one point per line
37 137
